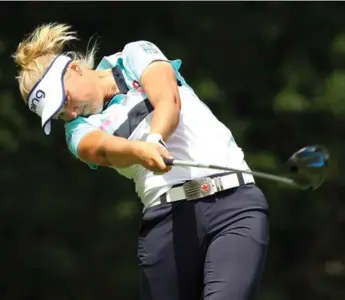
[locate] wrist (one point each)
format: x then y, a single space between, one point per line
156 138
120 152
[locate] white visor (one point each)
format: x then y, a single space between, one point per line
47 97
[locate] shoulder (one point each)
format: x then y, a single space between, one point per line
141 45
138 55
71 125
134 48
76 129
139 50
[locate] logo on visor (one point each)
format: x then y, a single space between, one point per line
39 95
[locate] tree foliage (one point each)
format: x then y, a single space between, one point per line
274 72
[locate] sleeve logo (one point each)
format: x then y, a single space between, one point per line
149 48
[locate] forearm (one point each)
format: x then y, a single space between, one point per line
106 150
165 117
121 153
103 149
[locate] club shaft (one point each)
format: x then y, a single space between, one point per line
188 163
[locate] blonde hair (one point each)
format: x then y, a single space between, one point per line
35 53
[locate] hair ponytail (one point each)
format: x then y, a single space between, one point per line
35 53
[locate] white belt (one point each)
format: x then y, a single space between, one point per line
203 187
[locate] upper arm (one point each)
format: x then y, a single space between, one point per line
91 148
84 141
159 82
152 69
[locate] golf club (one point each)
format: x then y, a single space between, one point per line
307 167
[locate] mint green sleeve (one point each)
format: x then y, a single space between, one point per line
137 56
74 132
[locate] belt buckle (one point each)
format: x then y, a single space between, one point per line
199 188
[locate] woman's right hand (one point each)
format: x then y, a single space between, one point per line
150 155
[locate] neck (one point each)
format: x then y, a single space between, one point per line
109 85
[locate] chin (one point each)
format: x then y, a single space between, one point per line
97 110
92 111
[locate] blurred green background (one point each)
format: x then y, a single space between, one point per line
274 72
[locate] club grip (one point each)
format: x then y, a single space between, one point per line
168 161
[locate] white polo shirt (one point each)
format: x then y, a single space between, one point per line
199 136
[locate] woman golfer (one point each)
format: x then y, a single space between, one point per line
204 233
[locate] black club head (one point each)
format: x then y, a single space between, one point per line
308 166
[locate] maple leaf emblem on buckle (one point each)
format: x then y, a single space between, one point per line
205 187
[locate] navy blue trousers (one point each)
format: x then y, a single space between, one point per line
213 248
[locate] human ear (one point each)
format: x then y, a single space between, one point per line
76 68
